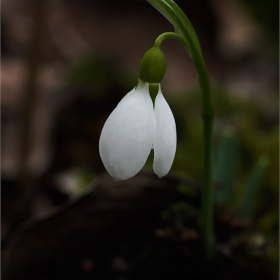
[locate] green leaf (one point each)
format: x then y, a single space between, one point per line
252 189
226 166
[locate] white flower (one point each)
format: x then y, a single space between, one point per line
133 129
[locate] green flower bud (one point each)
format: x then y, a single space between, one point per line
153 65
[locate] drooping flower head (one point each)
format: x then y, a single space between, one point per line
138 125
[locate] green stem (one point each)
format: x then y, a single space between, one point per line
187 35
167 35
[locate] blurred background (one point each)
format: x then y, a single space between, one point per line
66 64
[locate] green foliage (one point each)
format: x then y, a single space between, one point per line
252 187
96 75
225 167
255 133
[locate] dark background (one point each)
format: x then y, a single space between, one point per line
65 65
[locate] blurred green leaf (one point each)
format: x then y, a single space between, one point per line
94 74
252 189
225 168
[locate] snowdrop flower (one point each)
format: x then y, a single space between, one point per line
137 125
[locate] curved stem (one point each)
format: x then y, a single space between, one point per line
167 35
185 30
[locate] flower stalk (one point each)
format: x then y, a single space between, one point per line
186 34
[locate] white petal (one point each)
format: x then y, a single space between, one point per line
127 136
165 137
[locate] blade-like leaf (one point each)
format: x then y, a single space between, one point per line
253 185
226 166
